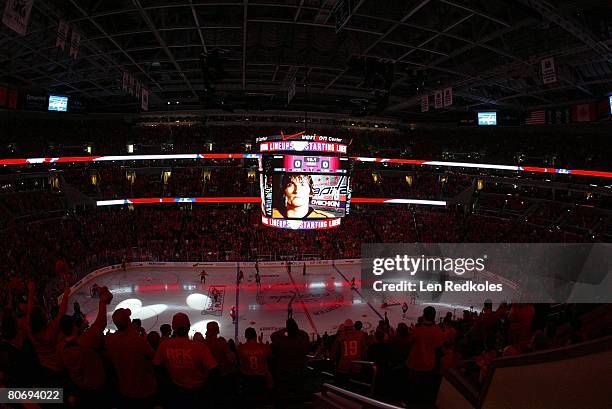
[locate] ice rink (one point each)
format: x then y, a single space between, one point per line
322 298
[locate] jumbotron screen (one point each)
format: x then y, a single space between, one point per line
487 118
301 193
302 189
58 103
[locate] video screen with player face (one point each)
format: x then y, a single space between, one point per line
307 196
292 190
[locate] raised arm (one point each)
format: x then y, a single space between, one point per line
63 307
31 295
94 335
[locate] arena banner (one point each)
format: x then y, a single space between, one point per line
75 44
144 100
584 112
130 85
438 99
425 103
13 98
291 90
448 97
17 15
548 70
3 94
62 35
460 273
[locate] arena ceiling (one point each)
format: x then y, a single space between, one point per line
386 55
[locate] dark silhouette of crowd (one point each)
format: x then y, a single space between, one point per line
129 368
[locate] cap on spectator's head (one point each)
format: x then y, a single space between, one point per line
180 320
348 323
121 318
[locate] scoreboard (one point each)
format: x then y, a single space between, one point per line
308 164
304 181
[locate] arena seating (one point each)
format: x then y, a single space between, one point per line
589 149
42 221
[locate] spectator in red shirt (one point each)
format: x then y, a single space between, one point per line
425 341
253 357
225 361
189 365
349 346
219 348
291 346
44 337
131 357
521 319
381 353
484 326
80 355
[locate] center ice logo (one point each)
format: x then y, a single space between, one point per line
317 303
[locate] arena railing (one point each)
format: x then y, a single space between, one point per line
359 376
334 397
575 376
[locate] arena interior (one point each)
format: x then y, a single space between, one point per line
193 196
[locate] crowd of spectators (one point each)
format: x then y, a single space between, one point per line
89 239
130 368
32 207
39 227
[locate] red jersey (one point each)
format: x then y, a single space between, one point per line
253 358
220 351
521 318
83 362
351 347
45 343
291 351
131 356
187 362
424 341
